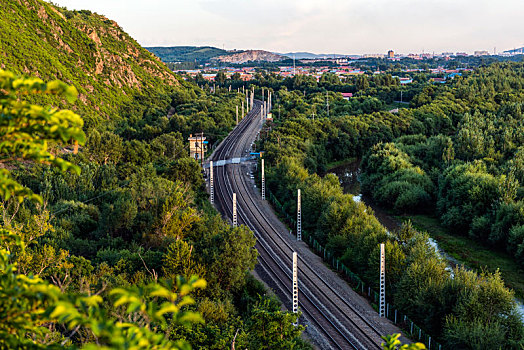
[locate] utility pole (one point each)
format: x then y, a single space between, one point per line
211 188
295 285
237 114
382 305
263 182
242 109
299 216
234 210
202 149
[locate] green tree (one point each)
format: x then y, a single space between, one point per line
26 130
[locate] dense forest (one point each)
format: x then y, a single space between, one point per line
108 239
456 150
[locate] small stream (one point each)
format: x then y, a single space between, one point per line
349 174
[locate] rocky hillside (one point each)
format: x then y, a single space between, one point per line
90 51
250 56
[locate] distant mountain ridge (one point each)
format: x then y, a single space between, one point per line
520 50
108 67
205 54
186 53
309 55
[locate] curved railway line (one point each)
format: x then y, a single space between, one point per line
340 323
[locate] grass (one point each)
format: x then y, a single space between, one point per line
471 253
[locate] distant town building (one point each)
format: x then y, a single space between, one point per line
197 146
373 55
481 53
414 56
463 54
391 54
347 95
438 80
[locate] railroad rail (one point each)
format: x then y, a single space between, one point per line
341 324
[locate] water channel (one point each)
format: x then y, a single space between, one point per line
349 175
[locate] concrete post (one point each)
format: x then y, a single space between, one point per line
299 216
234 210
211 187
382 304
263 182
295 284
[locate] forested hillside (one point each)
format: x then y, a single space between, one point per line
103 255
187 53
455 153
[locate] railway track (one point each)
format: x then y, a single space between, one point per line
340 323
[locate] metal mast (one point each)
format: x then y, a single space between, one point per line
382 305
299 217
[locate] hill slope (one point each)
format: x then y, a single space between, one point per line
84 49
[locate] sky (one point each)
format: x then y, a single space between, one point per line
319 26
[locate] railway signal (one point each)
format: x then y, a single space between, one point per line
211 187
234 210
299 216
295 285
263 182
382 305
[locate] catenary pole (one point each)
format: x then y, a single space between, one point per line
382 305
299 216
211 188
234 210
263 181
295 284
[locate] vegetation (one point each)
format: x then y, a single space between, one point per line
187 53
114 75
453 151
103 256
